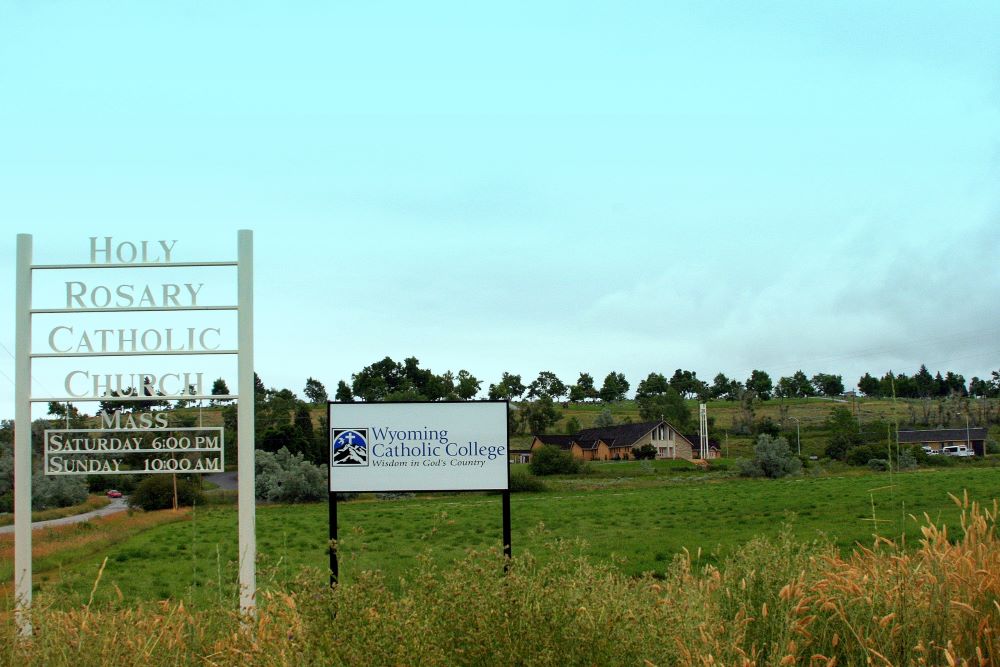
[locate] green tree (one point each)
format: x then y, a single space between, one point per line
509 388
803 387
343 394
572 426
468 386
220 388
844 433
67 412
828 384
315 391
546 384
759 382
868 385
654 385
785 388
687 384
668 405
584 389
376 381
305 440
923 382
614 388
539 415
723 387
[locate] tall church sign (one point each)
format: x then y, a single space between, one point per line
120 320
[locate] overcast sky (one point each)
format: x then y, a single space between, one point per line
559 186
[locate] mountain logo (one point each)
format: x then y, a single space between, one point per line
350 447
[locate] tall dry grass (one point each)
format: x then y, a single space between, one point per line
777 602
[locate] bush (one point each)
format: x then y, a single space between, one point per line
991 446
647 451
521 481
878 465
156 492
773 458
862 454
907 459
283 477
549 460
56 491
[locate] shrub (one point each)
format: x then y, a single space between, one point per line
878 465
283 477
51 491
521 481
992 447
860 455
156 492
772 458
549 460
647 451
907 460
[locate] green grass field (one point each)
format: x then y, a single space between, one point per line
638 517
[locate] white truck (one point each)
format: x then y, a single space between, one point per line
957 450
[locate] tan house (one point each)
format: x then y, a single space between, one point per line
938 438
615 443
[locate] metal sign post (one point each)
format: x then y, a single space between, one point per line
22 439
83 386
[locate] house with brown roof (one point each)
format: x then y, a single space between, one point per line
615 443
938 438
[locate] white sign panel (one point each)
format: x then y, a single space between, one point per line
418 446
114 451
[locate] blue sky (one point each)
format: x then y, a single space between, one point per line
537 186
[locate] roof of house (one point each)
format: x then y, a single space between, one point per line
695 441
619 435
560 441
943 435
587 444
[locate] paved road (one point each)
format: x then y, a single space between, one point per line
116 505
224 480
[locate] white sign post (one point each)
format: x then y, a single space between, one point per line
143 444
406 447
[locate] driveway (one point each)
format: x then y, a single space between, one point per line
115 506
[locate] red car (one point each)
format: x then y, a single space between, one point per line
114 493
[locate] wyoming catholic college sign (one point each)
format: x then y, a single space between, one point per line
418 446
101 317
440 446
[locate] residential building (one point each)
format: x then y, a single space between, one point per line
937 438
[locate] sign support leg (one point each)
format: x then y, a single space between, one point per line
506 526
245 428
334 566
22 440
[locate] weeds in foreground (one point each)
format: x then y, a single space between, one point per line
776 602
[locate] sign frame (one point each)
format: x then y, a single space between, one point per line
332 501
23 398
